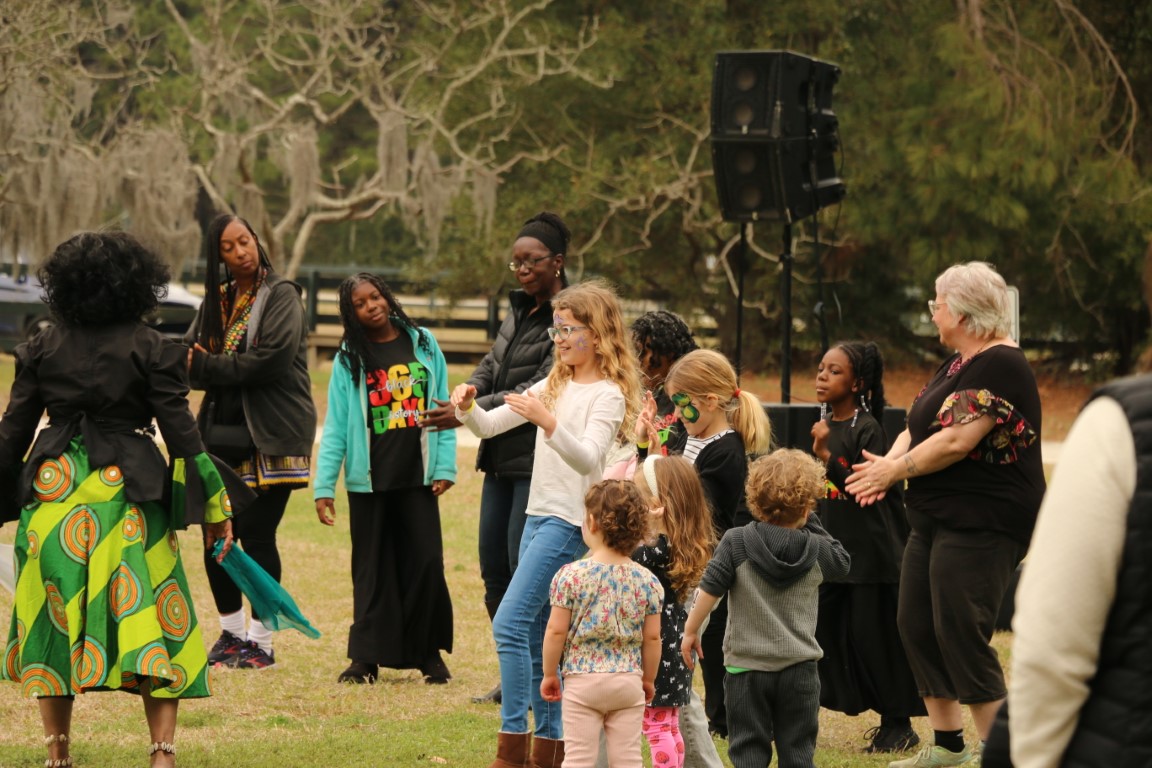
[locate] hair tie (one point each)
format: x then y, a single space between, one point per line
650 473
736 393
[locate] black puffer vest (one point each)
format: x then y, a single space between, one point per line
520 356
1115 727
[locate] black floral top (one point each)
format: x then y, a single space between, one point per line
1000 484
673 679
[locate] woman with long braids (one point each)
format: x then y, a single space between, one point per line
386 374
249 352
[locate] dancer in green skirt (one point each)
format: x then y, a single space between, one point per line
101 599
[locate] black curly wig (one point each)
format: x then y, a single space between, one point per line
102 278
665 334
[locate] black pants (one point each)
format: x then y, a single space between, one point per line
766 707
401 609
712 668
255 530
951 586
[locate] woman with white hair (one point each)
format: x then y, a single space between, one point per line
971 456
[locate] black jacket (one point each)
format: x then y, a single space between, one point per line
107 384
520 357
270 370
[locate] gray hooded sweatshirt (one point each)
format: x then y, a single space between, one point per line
772 576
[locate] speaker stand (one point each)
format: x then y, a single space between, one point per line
741 260
786 317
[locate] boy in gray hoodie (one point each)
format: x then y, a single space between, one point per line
771 570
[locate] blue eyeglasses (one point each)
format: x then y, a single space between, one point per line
562 332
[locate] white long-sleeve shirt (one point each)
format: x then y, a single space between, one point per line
1069 582
568 463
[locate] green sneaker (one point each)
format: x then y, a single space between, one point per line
932 756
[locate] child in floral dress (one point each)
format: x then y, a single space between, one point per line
605 623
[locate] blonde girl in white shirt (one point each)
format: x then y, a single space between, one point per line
591 396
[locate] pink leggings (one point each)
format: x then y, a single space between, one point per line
662 729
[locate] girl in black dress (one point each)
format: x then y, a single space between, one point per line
681 542
864 666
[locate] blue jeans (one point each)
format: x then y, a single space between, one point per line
502 505
518 628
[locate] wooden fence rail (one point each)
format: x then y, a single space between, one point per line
464 328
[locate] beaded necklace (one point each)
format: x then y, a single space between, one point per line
960 362
241 311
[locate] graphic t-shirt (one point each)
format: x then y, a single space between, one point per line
398 395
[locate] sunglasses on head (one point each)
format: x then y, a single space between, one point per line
683 401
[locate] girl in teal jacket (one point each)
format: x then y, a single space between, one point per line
385 376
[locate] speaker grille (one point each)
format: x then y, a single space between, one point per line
774 135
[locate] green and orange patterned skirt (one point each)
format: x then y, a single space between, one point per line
101 601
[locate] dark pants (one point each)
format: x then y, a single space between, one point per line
712 668
951 586
502 505
779 706
255 530
401 609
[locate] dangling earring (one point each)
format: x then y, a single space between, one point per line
863 403
557 273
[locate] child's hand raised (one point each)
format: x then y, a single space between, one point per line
550 688
820 432
646 432
530 407
463 396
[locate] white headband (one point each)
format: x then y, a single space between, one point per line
650 474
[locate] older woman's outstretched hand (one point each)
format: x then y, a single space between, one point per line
871 479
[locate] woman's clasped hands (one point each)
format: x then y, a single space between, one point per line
870 479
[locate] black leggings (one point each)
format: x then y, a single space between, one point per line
255 530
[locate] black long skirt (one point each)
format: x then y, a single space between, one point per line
401 609
864 666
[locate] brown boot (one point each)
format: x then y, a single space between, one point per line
547 753
512 750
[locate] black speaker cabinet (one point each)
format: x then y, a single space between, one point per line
792 424
774 135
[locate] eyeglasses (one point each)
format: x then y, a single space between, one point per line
688 412
516 265
562 332
935 305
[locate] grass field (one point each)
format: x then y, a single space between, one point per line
295 715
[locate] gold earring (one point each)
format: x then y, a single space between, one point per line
557 273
